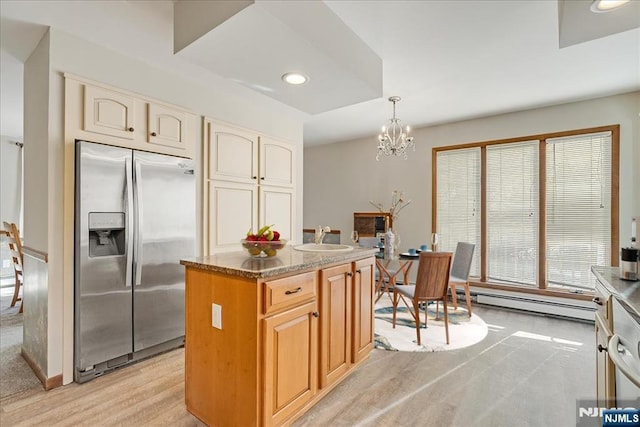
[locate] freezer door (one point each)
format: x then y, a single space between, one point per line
165 223
103 254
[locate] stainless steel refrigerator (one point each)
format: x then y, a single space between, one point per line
134 221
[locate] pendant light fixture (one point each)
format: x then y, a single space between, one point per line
394 139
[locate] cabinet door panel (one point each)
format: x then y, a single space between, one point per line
290 362
232 212
605 374
108 112
335 323
363 335
276 163
233 154
167 126
277 206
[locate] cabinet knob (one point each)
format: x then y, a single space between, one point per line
254 177
350 274
262 177
597 300
154 134
315 314
131 129
601 348
358 271
295 291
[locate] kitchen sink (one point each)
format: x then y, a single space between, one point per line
323 247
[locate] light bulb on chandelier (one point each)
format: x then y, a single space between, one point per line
394 139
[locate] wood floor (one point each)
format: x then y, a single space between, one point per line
510 378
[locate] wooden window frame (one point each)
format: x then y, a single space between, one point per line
542 288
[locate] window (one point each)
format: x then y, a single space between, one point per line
512 212
578 207
458 190
541 210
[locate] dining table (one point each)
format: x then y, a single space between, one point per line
390 269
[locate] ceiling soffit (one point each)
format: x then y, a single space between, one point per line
578 24
261 41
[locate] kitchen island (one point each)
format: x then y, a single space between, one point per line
614 298
265 339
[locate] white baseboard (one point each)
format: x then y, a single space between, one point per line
575 309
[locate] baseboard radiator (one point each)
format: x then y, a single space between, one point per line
560 307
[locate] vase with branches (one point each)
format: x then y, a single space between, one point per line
397 204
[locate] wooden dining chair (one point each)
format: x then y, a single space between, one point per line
460 273
15 247
432 284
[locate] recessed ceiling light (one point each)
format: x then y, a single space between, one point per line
600 6
295 78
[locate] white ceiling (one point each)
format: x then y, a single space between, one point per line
448 60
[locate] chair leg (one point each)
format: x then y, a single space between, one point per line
380 287
391 286
395 306
16 292
446 319
417 317
426 313
467 294
454 297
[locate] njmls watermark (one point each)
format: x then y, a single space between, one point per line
622 413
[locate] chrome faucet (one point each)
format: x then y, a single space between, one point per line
320 233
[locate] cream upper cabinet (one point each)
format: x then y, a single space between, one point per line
239 162
278 207
109 112
233 154
244 156
233 210
276 162
166 126
100 113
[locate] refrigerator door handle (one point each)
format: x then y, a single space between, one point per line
138 224
129 223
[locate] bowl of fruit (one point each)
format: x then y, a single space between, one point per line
265 243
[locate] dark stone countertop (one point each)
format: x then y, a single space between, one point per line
288 260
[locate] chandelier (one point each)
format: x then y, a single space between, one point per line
394 140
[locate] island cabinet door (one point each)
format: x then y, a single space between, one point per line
291 362
335 323
362 337
605 373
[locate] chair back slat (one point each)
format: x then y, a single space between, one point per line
15 245
462 260
432 280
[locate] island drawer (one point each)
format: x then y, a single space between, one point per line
289 291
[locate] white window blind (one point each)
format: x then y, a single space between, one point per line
458 201
578 190
512 212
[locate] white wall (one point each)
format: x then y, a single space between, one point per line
10 179
44 161
36 203
341 178
10 193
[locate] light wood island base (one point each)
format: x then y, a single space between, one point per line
292 328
